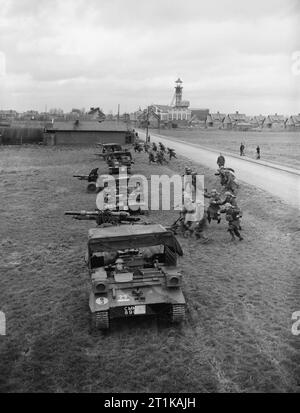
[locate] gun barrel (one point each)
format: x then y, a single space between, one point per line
85 218
81 213
81 177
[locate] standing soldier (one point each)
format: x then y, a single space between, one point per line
146 147
258 152
233 215
221 161
242 149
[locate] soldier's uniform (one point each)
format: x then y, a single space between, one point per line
160 157
162 147
233 215
151 157
172 153
213 210
154 146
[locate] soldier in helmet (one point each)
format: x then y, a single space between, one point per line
162 147
213 210
188 171
221 161
119 265
233 215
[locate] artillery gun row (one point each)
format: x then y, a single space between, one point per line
132 265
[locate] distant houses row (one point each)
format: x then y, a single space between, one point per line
157 117
242 122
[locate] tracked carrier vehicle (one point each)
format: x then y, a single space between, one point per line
133 273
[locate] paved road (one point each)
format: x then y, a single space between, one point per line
278 180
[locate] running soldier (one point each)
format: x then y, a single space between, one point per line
151 157
172 153
227 179
162 147
213 210
233 215
154 147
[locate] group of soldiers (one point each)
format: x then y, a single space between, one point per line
227 205
194 218
157 154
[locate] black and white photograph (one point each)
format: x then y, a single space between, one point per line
149 199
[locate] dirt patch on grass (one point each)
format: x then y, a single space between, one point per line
237 336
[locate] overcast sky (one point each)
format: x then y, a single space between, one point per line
231 54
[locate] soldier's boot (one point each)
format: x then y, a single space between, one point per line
208 217
219 218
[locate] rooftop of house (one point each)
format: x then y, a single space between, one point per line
218 116
276 118
237 116
296 118
163 107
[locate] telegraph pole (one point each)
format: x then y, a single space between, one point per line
147 128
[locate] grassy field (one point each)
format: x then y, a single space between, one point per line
240 296
279 147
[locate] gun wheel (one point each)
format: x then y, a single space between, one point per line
91 187
177 313
101 320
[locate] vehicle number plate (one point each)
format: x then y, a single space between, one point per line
135 310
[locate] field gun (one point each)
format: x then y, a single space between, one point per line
91 178
103 217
